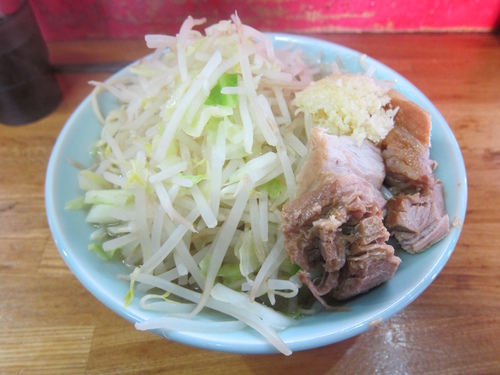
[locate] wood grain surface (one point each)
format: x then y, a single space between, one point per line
50 324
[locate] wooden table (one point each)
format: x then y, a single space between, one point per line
49 323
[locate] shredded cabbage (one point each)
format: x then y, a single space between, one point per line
191 170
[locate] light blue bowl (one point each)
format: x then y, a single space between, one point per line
415 274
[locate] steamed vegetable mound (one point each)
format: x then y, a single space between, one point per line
349 104
194 163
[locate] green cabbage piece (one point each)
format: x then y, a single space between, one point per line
216 97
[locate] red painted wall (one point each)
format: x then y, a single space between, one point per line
82 19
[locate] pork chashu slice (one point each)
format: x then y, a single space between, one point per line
416 216
331 156
405 149
337 210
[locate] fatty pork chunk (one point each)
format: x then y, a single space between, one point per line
334 228
416 215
